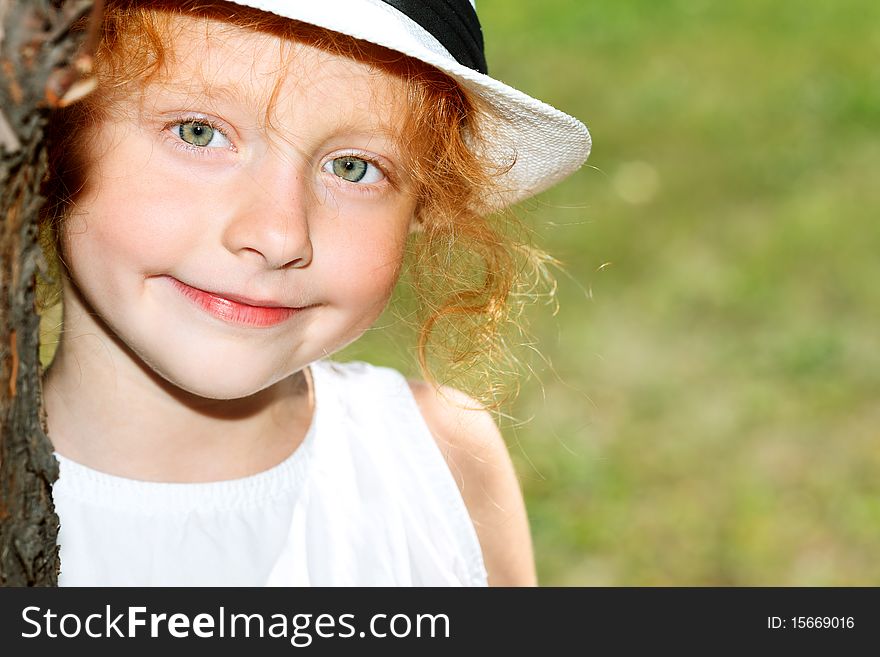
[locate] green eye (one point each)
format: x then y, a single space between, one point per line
196 133
351 169
201 134
355 170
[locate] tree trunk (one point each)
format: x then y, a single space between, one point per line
39 70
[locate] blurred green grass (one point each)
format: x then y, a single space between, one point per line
708 412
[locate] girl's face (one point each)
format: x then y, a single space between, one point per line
246 213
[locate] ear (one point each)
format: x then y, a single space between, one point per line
416 225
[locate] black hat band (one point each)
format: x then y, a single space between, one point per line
453 23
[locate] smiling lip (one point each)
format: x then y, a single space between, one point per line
236 309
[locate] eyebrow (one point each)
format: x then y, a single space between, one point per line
197 91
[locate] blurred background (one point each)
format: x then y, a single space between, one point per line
709 408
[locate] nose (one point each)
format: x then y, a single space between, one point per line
269 220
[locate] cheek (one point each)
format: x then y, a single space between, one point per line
133 208
103 238
369 256
370 273
130 221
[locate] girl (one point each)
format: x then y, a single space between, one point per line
232 206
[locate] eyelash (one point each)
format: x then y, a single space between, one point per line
202 151
362 188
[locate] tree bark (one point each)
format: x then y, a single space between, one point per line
39 70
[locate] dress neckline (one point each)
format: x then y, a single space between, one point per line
112 491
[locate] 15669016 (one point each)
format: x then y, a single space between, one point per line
810 622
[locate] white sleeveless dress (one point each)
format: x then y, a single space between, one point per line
366 500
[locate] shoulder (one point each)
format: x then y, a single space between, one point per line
480 463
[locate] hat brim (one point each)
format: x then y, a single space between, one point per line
544 144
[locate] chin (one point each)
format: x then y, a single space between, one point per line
222 391
222 381
210 390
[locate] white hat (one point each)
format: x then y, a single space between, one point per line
546 144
